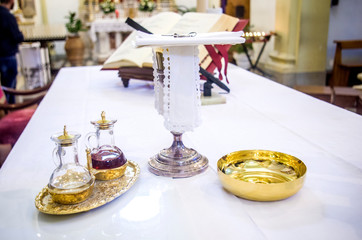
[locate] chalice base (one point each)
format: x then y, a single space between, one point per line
178 161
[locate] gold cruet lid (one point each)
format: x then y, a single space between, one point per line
65 138
103 123
65 135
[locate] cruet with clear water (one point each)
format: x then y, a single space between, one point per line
70 182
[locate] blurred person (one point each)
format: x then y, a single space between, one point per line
10 37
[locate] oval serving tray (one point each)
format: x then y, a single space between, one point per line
103 192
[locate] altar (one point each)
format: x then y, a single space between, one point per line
107 34
259 114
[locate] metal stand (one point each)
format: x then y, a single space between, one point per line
254 66
178 161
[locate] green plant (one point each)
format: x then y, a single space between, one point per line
183 9
74 25
147 5
108 7
240 49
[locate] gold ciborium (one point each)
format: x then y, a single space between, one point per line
261 175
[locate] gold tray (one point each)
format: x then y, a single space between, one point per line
261 175
103 192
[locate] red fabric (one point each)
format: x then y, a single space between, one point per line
13 124
216 58
222 52
2 96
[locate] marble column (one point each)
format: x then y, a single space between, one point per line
300 46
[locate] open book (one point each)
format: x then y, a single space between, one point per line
127 55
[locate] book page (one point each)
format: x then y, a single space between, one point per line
128 55
195 22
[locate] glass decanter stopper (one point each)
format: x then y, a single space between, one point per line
106 161
70 182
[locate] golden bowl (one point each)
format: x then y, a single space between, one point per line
261 175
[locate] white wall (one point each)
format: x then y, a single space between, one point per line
345 23
262 19
186 3
193 3
57 11
38 19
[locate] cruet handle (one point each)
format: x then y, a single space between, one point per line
88 138
56 157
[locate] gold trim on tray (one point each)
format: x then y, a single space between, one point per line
103 192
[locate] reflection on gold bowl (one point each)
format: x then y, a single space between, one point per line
261 175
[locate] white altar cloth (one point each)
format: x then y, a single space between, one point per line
259 114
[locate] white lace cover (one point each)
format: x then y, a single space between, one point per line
178 97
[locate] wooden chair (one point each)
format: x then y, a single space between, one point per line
39 93
16 116
324 93
348 98
344 97
341 71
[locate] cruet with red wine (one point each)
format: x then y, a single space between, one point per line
105 160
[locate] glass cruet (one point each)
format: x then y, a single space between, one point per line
104 155
70 182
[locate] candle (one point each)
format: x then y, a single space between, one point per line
214 4
202 5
